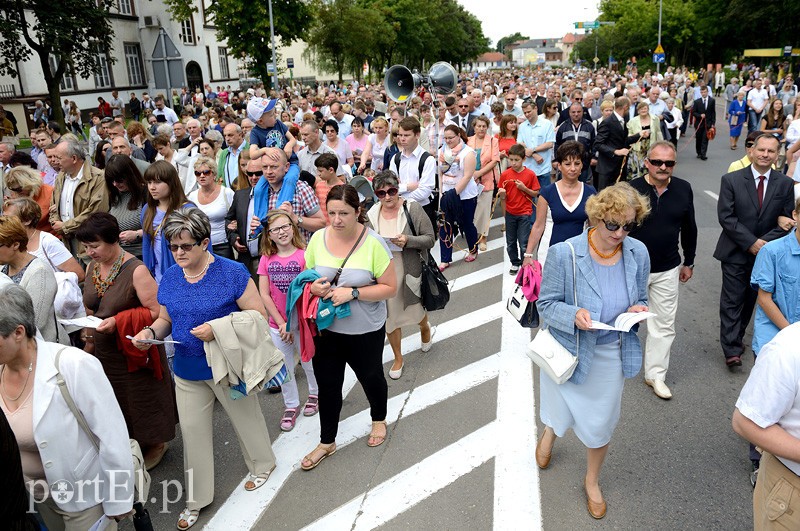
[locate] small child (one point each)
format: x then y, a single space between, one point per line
282 259
518 185
327 165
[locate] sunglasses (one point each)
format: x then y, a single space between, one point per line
383 193
204 173
254 173
185 247
463 106
613 226
658 163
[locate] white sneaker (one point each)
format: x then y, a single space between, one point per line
427 346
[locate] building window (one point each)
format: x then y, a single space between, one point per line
187 32
224 73
133 60
125 7
68 80
102 75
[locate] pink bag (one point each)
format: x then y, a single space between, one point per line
530 279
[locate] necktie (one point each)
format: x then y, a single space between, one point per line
705 103
463 123
760 190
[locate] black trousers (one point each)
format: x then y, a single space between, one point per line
364 354
701 141
736 303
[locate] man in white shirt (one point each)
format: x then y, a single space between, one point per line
415 185
117 105
304 108
309 133
757 100
478 106
344 120
162 112
510 104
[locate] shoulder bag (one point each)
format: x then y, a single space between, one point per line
518 305
434 287
335 280
550 355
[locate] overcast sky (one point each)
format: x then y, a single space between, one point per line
537 20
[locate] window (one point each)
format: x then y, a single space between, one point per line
187 31
102 74
133 60
223 63
125 7
68 80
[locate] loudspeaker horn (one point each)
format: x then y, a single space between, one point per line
400 83
443 78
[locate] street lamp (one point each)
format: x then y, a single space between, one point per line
272 34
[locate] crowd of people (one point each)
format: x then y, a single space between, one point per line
278 227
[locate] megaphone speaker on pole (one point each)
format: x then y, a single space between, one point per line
400 83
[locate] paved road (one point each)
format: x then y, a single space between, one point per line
462 427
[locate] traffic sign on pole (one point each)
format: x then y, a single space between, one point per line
659 58
289 62
659 49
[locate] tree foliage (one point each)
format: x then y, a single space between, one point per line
348 33
245 25
508 39
41 26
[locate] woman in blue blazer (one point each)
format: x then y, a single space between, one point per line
610 279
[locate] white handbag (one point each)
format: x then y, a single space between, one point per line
550 355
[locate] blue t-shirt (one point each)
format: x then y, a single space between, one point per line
275 136
190 305
566 223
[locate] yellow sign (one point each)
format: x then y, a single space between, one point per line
659 49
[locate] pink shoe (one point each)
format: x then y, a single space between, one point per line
471 257
443 266
289 418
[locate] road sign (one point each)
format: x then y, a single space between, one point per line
270 68
591 24
596 60
659 49
289 63
787 51
659 58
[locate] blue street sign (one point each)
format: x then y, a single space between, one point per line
659 58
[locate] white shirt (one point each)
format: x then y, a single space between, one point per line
409 173
252 245
216 211
758 97
67 194
756 175
771 394
168 113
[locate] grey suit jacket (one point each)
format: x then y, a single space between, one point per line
558 309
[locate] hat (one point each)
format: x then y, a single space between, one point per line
251 91
258 106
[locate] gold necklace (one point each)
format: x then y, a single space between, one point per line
601 255
208 261
3 385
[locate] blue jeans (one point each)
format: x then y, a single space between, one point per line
544 180
518 228
753 120
466 224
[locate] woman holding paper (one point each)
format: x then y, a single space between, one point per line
610 279
120 290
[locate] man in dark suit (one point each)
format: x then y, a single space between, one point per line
750 202
464 119
241 212
613 143
705 114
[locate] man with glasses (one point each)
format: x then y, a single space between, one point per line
464 119
240 217
575 97
671 217
510 104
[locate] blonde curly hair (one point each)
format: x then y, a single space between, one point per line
612 202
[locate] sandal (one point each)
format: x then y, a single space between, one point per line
373 437
312 406
289 418
189 516
327 449
471 257
443 266
256 481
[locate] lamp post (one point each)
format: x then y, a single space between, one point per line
272 35
660 8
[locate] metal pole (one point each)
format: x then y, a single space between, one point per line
660 7
163 35
595 48
272 35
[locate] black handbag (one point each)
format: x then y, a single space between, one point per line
434 288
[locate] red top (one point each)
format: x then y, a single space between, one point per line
518 203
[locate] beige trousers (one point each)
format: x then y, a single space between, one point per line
776 500
195 400
662 294
57 520
483 212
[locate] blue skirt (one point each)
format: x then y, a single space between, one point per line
591 409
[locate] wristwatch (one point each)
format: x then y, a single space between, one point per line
690 266
299 220
354 293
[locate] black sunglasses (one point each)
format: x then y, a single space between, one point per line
382 193
658 163
254 173
186 247
613 226
199 173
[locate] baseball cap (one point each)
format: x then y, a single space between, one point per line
258 106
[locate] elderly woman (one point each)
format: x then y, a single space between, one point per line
33 274
42 244
123 294
611 276
214 200
643 121
367 280
737 116
53 445
407 227
127 195
204 287
27 182
487 157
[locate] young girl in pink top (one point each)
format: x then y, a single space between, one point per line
282 259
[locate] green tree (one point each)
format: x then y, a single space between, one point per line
505 41
245 25
73 31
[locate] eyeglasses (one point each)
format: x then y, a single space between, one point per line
185 247
391 192
658 163
463 106
613 226
204 173
282 228
254 173
578 99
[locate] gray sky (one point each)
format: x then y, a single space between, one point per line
537 19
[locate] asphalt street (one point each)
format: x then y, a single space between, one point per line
463 425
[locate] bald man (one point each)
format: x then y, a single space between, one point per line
121 146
